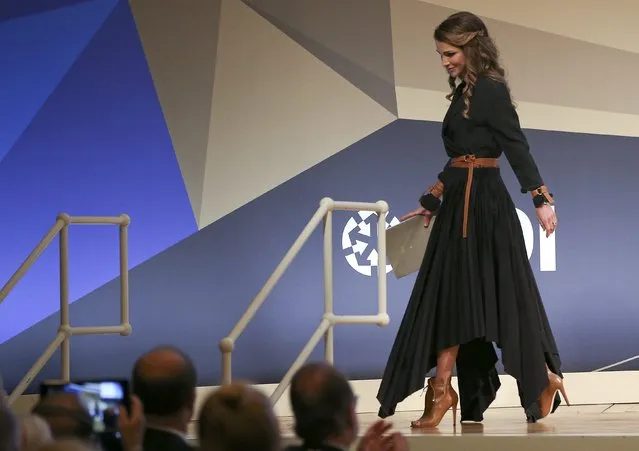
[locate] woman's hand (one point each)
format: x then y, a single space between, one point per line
547 219
421 211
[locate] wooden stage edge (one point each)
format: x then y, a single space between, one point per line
583 427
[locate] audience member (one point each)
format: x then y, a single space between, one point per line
132 426
237 417
34 432
66 416
164 379
9 431
323 404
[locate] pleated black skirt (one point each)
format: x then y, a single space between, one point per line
476 292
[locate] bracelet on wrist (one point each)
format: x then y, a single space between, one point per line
430 199
541 196
437 189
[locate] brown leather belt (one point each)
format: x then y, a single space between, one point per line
471 162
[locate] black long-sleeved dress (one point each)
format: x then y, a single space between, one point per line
478 289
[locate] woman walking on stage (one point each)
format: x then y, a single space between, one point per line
475 286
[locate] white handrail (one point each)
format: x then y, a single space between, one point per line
61 340
329 319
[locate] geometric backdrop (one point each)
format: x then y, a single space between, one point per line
218 126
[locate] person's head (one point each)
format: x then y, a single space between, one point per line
66 416
35 432
237 417
467 50
323 404
165 379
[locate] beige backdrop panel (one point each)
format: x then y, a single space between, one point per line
429 105
180 42
559 83
277 111
353 38
611 23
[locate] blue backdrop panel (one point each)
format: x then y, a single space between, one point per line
35 53
98 146
17 8
192 294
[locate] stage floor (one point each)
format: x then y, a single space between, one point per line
580 427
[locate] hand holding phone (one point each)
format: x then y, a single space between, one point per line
132 424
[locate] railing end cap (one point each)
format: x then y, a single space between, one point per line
227 345
327 202
382 205
384 320
64 217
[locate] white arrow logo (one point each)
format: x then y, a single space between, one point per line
357 247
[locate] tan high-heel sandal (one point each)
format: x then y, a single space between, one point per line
428 402
547 398
444 398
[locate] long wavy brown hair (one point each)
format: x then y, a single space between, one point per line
468 32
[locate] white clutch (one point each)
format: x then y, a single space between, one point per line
406 244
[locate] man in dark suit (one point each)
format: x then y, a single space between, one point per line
164 379
323 404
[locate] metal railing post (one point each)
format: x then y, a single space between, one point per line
124 274
381 262
325 329
228 343
329 340
65 350
62 339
